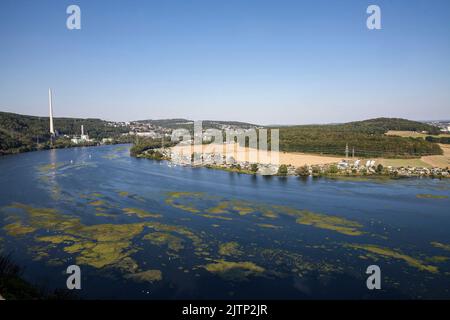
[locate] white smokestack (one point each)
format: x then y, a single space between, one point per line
82 130
52 130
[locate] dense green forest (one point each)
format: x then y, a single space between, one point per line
367 138
21 133
145 144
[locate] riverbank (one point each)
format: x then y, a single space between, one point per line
234 158
56 147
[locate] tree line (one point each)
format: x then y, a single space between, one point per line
21 133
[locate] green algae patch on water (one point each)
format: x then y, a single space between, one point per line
220 208
57 239
173 200
161 238
96 245
230 270
145 276
106 215
200 247
55 262
184 194
430 196
103 254
286 262
127 265
304 217
99 245
97 203
40 255
213 216
45 168
333 223
110 156
268 226
196 240
389 253
323 221
439 245
240 207
243 208
185 200
140 213
110 232
18 229
269 213
185 208
45 218
438 259
229 249
95 195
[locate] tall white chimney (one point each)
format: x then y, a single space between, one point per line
82 130
52 130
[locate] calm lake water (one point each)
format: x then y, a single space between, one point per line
141 229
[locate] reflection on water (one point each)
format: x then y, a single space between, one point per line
141 229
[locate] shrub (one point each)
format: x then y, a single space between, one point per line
316 171
333 169
379 168
282 170
302 171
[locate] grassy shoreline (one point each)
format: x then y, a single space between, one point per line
345 168
329 175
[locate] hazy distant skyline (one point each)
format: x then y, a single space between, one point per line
257 61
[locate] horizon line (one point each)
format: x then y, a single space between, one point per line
246 122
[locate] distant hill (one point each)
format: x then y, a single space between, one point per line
20 133
383 125
188 124
168 123
366 137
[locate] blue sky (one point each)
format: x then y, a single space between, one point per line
261 61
